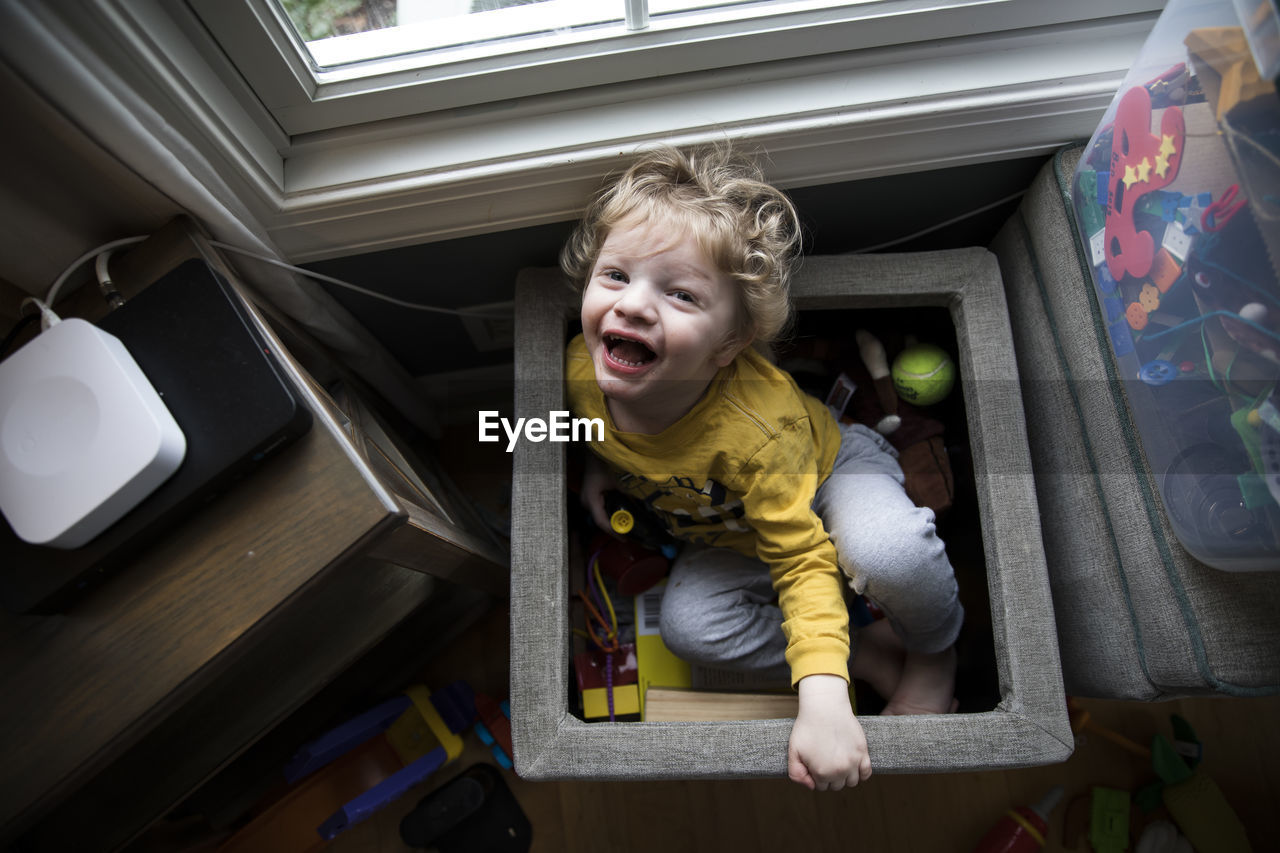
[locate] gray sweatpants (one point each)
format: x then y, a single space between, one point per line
720 608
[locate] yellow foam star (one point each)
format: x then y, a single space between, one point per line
1144 170
1167 148
1162 164
1130 177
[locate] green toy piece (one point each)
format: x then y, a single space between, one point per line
1109 820
1172 763
1166 762
1196 803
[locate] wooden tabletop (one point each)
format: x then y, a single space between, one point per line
82 686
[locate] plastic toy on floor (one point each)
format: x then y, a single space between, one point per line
1201 816
1022 829
351 771
1196 803
1082 723
1160 836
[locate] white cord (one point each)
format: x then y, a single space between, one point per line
52 297
105 285
48 319
417 306
101 271
940 225
101 253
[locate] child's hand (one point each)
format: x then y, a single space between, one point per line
828 748
596 480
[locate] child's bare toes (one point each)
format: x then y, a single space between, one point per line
878 659
927 685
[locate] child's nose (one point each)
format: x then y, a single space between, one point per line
636 302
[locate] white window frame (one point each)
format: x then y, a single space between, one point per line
334 167
303 99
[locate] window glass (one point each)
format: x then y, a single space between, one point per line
320 19
343 32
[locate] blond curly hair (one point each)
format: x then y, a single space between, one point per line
747 228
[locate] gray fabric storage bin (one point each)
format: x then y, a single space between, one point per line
1138 617
1028 727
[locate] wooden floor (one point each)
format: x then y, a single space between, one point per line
930 814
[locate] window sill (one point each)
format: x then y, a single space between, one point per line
884 112
526 161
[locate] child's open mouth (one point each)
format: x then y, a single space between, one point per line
627 352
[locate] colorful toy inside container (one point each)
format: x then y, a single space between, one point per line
1177 202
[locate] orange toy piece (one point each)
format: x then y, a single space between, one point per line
1082 723
1165 270
1137 316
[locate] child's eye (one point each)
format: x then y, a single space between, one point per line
616 275
683 296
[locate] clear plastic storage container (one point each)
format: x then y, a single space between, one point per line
1177 202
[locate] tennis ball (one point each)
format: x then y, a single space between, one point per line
923 374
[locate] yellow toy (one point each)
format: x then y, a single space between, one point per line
1196 803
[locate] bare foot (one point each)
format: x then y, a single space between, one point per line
927 686
878 658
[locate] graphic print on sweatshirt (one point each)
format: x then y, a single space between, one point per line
695 513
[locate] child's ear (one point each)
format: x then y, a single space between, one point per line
733 344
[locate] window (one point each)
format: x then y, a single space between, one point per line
405 62
419 129
341 33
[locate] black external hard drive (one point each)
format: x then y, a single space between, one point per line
190 334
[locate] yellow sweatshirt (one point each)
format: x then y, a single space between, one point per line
740 471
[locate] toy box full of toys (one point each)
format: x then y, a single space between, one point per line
1177 203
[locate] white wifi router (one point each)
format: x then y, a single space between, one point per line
83 435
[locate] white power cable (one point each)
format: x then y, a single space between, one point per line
101 253
52 297
48 319
105 285
417 306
